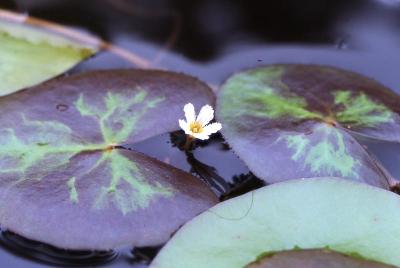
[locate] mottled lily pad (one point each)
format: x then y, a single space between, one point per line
66 181
291 121
352 218
313 258
30 55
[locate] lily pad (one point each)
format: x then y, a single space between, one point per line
344 216
305 118
66 180
314 258
30 55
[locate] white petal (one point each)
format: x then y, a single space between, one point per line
212 128
185 126
190 114
200 136
206 115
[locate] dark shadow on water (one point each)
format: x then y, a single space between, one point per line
49 255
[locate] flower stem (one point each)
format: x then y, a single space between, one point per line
188 143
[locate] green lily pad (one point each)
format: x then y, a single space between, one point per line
30 55
66 180
313 258
304 118
344 216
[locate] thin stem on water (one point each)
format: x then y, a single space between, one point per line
136 10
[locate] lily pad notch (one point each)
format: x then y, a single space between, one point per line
307 118
66 176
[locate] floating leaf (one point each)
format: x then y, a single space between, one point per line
30 55
352 218
66 181
313 258
303 118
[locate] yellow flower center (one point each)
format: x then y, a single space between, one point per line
196 127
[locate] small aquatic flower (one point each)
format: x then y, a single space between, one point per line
198 127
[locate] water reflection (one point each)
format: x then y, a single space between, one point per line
203 30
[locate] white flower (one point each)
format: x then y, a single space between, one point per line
199 127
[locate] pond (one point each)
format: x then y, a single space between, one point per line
212 40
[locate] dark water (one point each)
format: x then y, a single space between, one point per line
211 39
